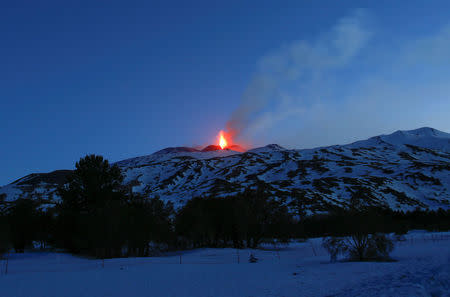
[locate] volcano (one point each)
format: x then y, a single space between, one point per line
401 171
233 147
211 148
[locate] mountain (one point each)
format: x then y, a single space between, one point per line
403 170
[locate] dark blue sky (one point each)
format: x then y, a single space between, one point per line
127 78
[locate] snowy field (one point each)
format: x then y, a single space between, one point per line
299 269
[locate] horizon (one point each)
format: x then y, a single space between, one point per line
200 150
122 81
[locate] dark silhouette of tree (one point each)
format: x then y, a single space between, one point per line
99 217
22 218
4 227
93 184
91 209
241 220
148 221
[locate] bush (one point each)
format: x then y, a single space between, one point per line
334 246
379 247
367 247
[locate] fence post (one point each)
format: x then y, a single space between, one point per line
237 250
312 246
7 260
180 259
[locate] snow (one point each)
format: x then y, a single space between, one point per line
173 154
384 164
299 269
422 137
267 148
12 192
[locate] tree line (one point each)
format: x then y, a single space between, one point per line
97 216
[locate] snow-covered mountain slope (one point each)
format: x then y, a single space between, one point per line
403 170
423 137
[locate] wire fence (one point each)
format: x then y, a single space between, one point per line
421 238
39 262
59 262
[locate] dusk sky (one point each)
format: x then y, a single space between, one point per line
127 78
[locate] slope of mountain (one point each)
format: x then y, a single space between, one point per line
403 170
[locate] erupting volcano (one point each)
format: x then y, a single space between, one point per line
224 142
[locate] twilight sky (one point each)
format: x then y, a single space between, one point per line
127 78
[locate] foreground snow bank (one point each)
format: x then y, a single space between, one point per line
300 269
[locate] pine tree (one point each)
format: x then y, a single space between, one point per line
91 210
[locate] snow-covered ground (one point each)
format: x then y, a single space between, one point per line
299 269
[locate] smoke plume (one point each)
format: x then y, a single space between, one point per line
346 84
301 63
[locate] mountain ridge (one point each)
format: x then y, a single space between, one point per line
402 170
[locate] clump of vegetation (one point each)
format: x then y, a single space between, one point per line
362 247
243 220
98 217
334 247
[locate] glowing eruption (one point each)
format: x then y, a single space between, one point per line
223 143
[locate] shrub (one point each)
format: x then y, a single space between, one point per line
367 247
334 246
379 247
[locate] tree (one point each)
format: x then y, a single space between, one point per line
241 220
4 234
91 208
93 184
98 216
22 218
148 221
45 227
265 217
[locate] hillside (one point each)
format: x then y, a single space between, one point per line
403 170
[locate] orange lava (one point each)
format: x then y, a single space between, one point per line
225 140
223 143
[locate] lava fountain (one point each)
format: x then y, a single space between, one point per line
223 143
